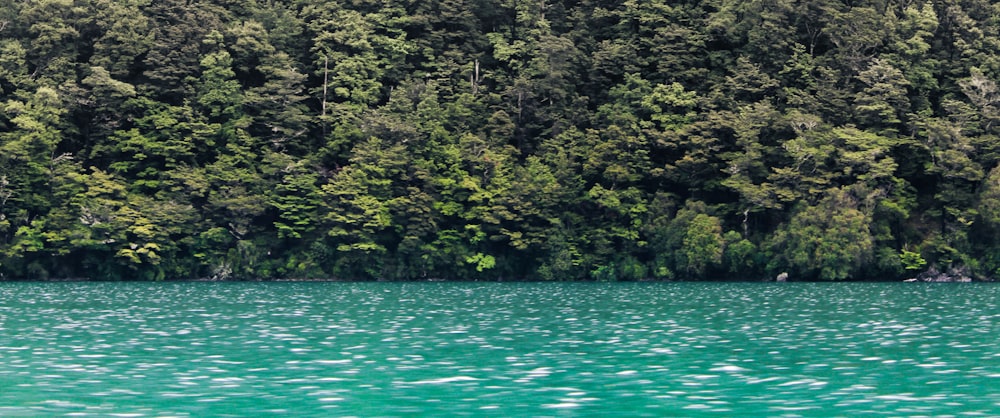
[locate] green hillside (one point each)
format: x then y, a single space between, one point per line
476 139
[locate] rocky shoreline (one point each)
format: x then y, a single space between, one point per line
952 275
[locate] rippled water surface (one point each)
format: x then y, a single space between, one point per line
525 349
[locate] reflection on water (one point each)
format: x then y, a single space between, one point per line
378 349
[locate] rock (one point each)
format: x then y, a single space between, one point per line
953 275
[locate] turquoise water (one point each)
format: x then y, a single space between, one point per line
524 349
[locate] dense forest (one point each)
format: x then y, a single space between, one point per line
499 139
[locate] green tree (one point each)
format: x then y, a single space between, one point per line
177 30
105 98
702 246
14 73
359 215
122 35
828 241
882 104
54 40
278 107
29 160
956 174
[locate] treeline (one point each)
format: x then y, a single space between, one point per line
492 139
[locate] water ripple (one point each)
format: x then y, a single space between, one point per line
538 349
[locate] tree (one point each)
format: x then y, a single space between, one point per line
882 104
123 36
29 160
358 201
14 74
36 184
54 40
278 106
828 241
177 31
105 99
956 174
702 246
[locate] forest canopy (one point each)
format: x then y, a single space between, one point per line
498 139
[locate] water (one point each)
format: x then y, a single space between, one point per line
526 349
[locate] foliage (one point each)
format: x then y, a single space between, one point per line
496 139
829 241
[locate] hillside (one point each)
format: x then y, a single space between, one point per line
498 139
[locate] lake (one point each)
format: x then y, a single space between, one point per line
499 349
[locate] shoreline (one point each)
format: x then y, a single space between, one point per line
935 279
